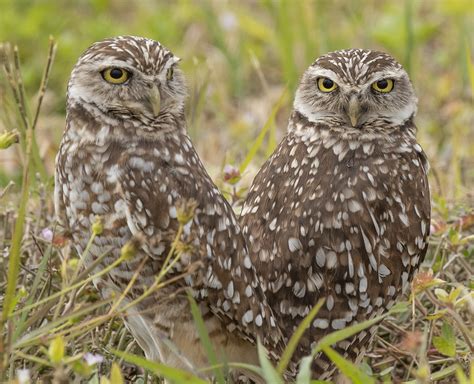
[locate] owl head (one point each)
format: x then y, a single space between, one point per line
356 88
129 77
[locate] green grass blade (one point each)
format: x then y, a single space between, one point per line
29 140
71 287
37 335
461 376
247 367
470 67
295 338
304 374
14 257
34 288
285 17
349 369
444 373
270 374
342 334
205 340
175 375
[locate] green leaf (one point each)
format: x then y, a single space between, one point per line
116 375
446 342
441 294
454 294
350 370
454 235
386 371
174 375
367 369
94 379
205 340
400 307
437 315
56 350
81 368
270 374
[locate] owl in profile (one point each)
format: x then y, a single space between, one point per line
126 158
341 210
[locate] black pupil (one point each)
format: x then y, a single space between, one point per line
382 84
327 83
116 73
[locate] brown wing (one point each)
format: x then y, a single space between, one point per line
347 224
154 183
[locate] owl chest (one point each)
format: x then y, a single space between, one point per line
339 181
89 189
359 206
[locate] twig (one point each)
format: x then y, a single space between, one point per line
45 78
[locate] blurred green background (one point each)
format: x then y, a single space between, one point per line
240 56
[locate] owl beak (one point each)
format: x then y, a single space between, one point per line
354 110
155 100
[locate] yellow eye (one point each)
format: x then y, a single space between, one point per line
169 74
115 75
326 85
384 85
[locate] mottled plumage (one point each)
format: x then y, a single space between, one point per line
126 157
341 210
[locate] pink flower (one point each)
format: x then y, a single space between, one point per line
231 174
47 234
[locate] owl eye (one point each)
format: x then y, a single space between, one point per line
326 85
115 75
169 74
383 86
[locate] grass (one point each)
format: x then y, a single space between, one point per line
55 327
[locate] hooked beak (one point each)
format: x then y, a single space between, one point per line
154 99
354 110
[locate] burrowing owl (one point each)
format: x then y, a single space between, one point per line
126 157
341 210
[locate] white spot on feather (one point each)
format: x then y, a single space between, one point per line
294 244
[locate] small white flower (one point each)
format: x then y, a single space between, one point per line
228 21
47 234
23 376
92 359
